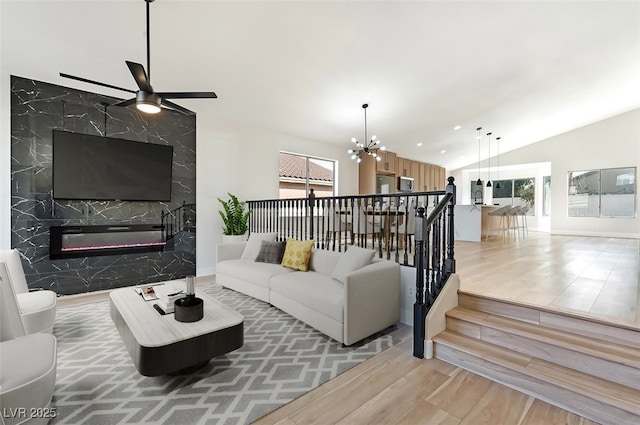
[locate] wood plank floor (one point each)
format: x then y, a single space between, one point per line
594 277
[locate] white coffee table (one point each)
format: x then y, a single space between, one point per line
160 345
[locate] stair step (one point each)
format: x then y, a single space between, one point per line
580 325
614 362
586 395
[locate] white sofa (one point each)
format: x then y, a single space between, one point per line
367 302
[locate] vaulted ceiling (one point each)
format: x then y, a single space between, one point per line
524 70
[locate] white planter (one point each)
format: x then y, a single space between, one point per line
234 238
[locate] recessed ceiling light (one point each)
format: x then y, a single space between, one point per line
443 151
457 127
419 144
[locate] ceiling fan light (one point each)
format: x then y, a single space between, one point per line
148 102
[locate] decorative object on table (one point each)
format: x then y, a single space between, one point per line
235 218
189 308
367 146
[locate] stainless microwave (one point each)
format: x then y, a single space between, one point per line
405 184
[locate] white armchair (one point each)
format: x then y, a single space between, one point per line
37 308
27 364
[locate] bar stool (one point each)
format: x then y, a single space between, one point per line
512 218
503 222
524 225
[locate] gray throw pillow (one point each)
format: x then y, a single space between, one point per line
271 252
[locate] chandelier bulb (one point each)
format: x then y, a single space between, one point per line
378 158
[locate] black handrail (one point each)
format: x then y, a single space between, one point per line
435 236
379 221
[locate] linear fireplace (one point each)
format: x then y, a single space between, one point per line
89 241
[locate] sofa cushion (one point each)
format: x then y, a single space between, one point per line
297 254
271 252
250 271
252 249
314 290
353 259
324 261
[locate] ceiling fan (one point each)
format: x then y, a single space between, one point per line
148 100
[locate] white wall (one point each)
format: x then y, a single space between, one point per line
244 161
611 143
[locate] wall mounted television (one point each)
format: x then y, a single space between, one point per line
96 168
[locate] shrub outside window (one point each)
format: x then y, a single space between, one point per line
516 192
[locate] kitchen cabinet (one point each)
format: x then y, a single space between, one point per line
387 163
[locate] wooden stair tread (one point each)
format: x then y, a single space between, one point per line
611 393
577 324
603 349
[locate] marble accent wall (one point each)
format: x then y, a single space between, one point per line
38 108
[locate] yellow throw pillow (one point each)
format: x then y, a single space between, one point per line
297 254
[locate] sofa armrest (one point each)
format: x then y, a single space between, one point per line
229 251
372 300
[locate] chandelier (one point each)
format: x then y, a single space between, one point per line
368 146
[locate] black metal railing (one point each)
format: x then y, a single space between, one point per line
180 219
435 260
384 222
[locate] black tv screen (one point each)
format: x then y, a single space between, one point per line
89 167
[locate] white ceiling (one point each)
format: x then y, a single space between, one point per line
524 70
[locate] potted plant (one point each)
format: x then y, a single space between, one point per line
235 219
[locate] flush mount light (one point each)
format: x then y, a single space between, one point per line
457 127
443 151
148 102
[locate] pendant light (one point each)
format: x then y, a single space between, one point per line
489 159
479 182
498 179
368 146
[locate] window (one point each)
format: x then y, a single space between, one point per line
546 196
602 193
299 173
477 192
515 192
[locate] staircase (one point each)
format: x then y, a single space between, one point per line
582 365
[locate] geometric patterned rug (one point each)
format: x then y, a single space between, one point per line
281 359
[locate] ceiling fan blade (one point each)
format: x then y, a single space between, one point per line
176 107
188 95
84 80
125 102
140 76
